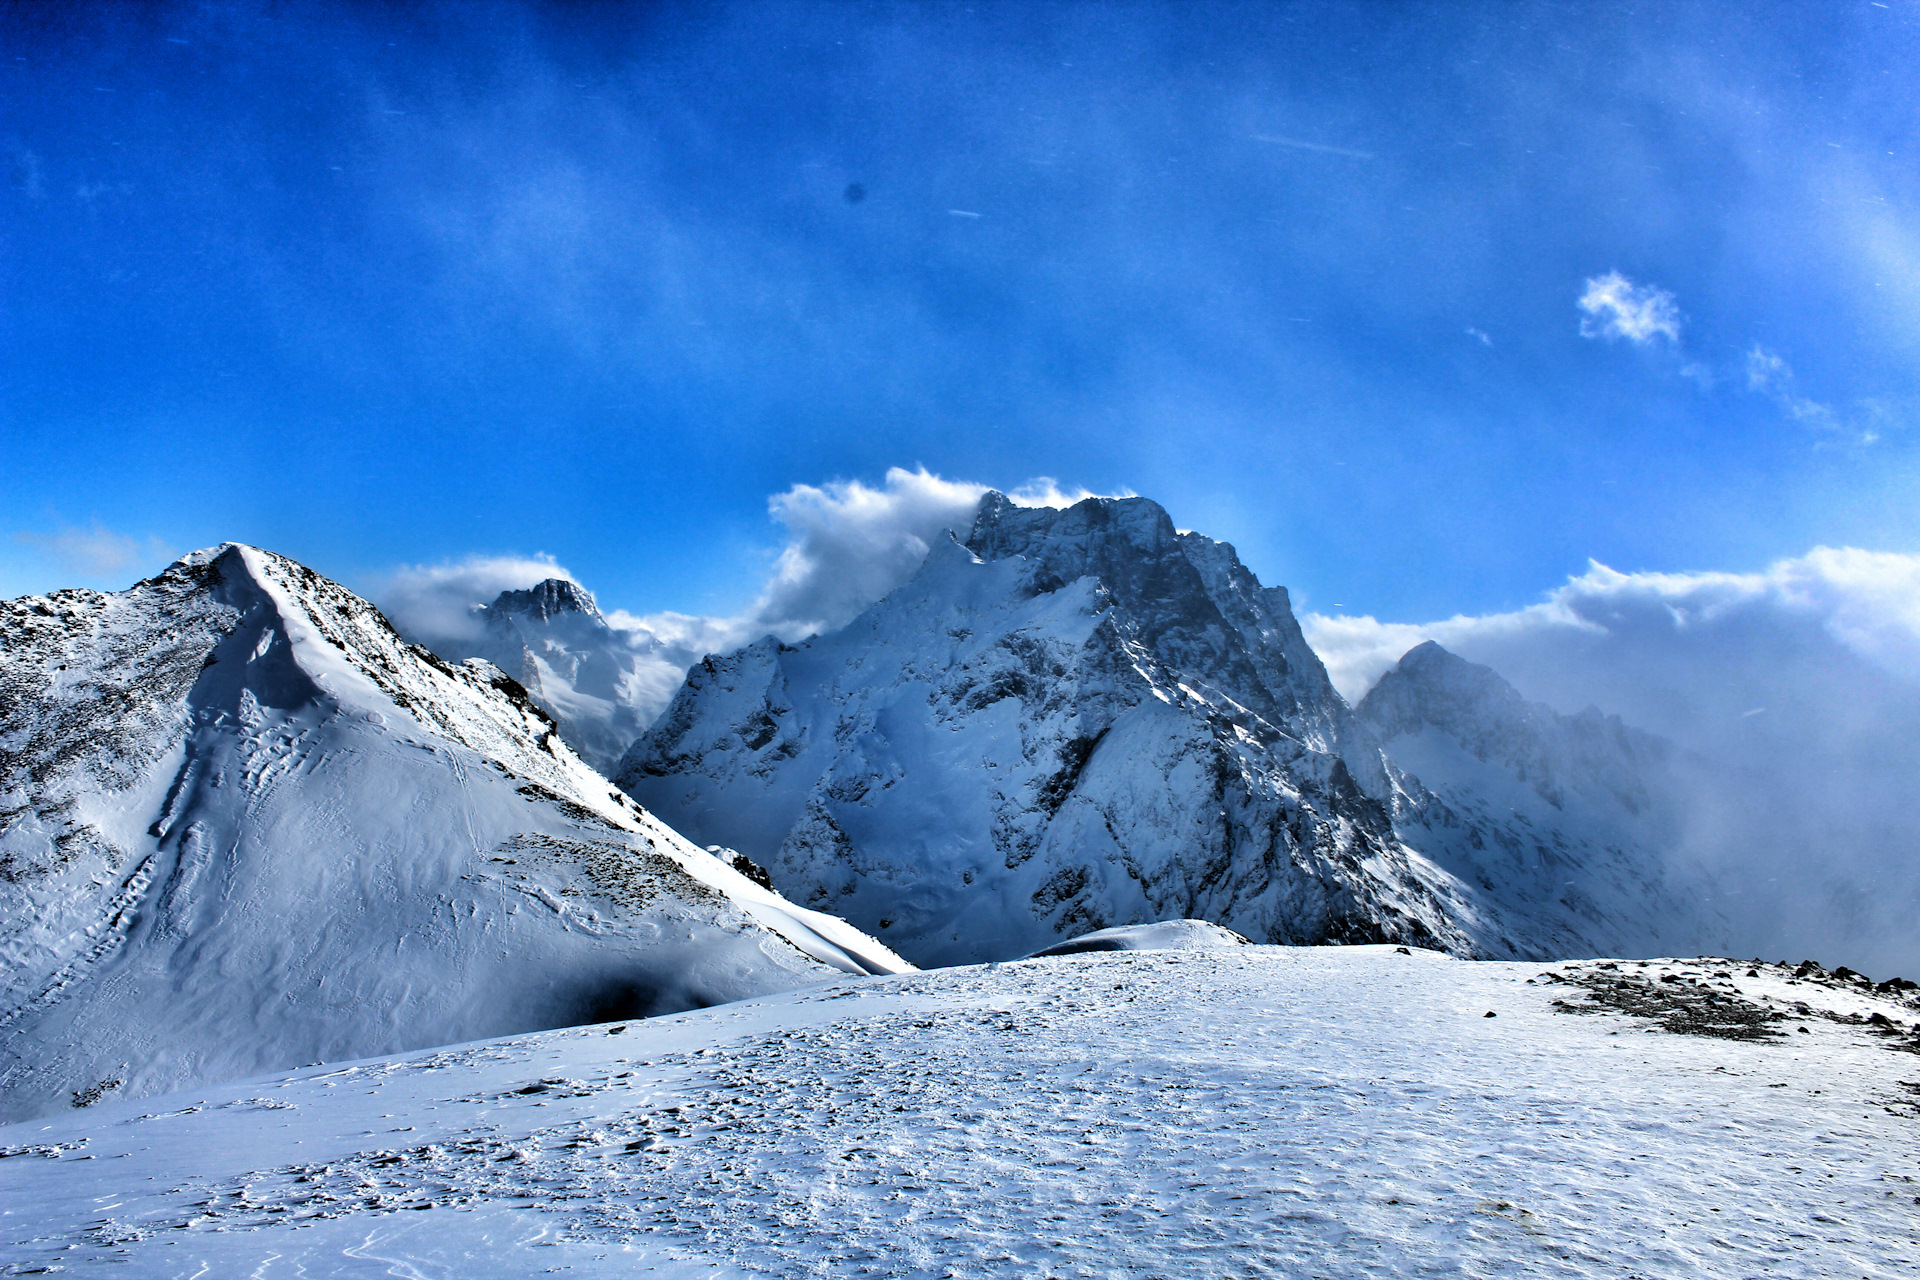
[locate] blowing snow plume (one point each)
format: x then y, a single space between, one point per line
1793 694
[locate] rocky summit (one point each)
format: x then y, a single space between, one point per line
1077 718
1072 719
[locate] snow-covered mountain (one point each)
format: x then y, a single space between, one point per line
1081 718
1574 821
244 825
599 683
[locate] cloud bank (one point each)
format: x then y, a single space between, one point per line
434 604
1795 695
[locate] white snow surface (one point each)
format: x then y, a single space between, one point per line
1083 719
1167 935
244 825
1250 1111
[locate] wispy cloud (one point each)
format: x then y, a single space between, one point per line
1616 307
435 603
96 552
847 544
1771 376
1299 144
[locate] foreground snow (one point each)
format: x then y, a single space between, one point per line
1236 1111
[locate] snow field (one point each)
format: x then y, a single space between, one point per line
1246 1111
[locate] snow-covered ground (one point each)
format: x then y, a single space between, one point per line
1240 1111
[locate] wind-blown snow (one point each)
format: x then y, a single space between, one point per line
1245 1111
244 825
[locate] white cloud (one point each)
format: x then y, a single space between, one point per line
434 604
1793 693
848 543
96 552
1616 307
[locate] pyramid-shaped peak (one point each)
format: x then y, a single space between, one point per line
545 600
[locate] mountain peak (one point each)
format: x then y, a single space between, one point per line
545 600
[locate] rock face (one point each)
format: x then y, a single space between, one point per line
1570 821
1076 719
593 679
1083 718
244 825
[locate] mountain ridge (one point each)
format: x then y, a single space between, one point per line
243 824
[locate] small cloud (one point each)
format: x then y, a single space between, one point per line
1616 307
1485 341
1771 376
1700 373
96 552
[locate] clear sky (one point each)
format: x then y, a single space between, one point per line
373 286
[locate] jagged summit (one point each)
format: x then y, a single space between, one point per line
545 600
590 677
1081 718
245 825
1574 820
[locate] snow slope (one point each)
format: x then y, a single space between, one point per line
243 825
1082 718
1575 820
1246 1111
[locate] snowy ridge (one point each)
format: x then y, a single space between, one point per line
1571 819
243 824
1077 719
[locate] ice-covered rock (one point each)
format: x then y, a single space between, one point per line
245 825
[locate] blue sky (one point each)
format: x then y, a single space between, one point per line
377 286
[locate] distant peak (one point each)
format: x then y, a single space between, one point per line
1430 654
546 600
